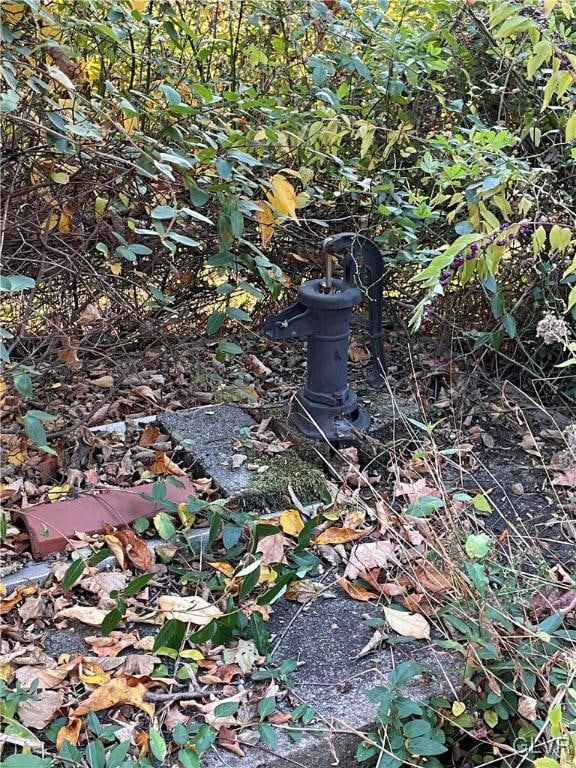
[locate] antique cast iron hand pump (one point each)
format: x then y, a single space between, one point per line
326 408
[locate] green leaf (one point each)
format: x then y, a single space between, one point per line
16 283
164 525
25 761
403 673
73 573
268 734
229 348
478 545
215 322
540 762
137 585
226 709
172 95
260 633
571 129
424 506
111 621
424 747
117 755
560 238
95 754
164 212
35 431
170 636
23 384
481 503
158 745
416 728
266 706
188 758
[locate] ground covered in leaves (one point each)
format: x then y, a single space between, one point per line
144 648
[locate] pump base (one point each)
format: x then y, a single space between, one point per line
338 424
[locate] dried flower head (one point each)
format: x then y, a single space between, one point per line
553 329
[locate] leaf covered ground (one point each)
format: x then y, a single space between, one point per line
460 531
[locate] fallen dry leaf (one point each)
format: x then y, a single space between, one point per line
7 603
145 392
429 578
69 353
415 490
104 382
69 732
375 642
357 353
149 436
114 643
92 673
291 522
304 591
228 739
137 550
222 675
355 591
47 678
191 609
272 548
162 465
84 613
365 557
37 713
266 223
339 535
90 315
258 368
115 546
527 708
407 624
123 689
566 479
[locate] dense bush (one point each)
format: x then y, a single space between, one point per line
164 161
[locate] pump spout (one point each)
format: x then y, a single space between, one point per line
364 266
291 323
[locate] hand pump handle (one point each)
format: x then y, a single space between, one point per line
363 265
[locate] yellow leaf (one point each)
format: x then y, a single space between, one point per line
571 128
139 5
192 653
17 455
283 196
51 221
458 708
549 6
5 672
226 568
3 387
123 689
69 732
291 522
266 223
115 267
130 124
339 536
572 298
13 12
58 491
355 591
92 673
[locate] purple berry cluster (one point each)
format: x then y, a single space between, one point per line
501 238
560 54
536 16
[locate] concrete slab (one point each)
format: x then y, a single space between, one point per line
209 434
326 637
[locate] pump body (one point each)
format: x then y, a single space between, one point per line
325 407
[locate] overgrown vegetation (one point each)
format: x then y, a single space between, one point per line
169 170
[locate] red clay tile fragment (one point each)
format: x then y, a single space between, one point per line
50 526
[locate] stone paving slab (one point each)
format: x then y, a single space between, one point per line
325 637
208 433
